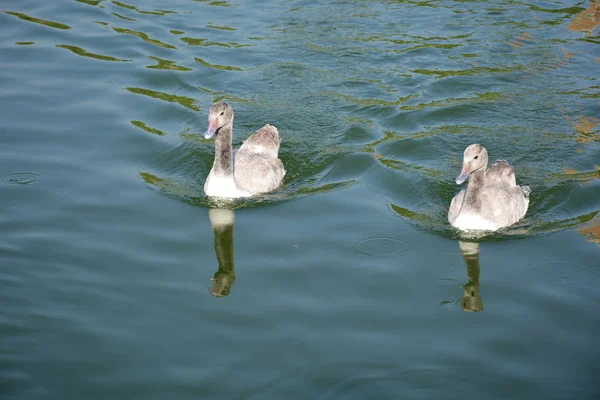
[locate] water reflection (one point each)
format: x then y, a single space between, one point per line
471 295
144 37
166 64
51 24
591 229
588 20
185 101
222 222
85 53
156 12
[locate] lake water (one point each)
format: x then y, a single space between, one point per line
348 283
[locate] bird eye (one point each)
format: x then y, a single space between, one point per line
222 112
476 157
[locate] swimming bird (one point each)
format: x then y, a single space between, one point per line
492 199
254 168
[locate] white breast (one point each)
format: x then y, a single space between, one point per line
473 222
221 186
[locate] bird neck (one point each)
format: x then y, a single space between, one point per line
472 200
223 164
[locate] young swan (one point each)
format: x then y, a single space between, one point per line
254 168
492 199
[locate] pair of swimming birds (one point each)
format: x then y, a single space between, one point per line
492 199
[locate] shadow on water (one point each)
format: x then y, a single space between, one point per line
222 221
471 300
470 251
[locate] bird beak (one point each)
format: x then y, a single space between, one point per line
212 129
464 174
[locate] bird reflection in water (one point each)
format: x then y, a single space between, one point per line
222 222
471 296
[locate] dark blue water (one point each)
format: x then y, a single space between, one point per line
348 283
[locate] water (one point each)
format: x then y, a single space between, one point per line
348 282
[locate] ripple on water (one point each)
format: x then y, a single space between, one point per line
21 178
373 239
449 303
568 282
381 246
568 273
367 376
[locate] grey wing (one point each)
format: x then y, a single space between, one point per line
455 206
257 166
501 173
255 173
504 206
264 141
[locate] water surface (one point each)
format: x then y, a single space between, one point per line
346 283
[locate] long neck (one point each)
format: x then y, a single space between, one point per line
472 201
223 164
